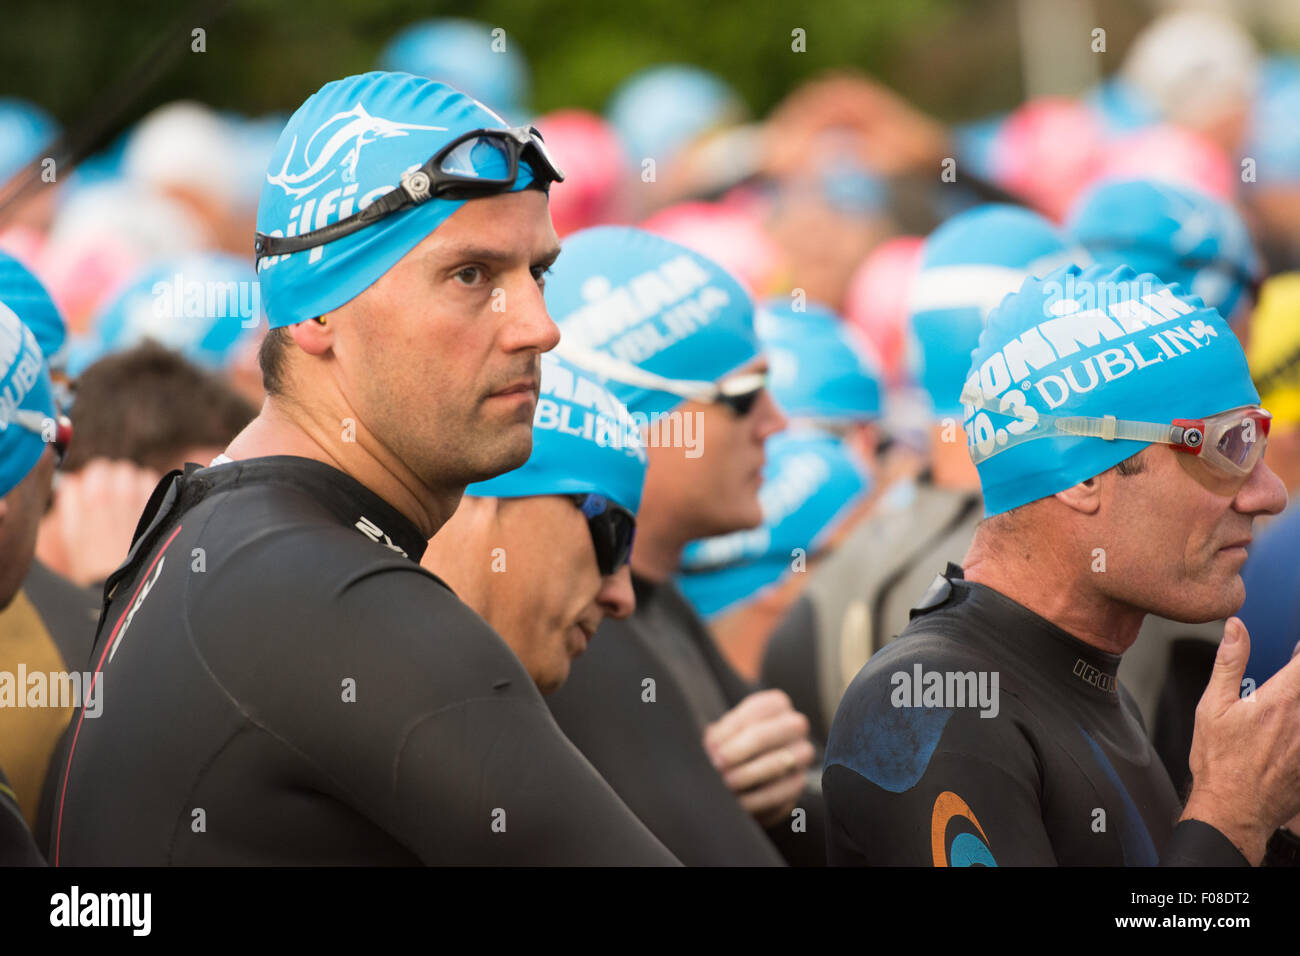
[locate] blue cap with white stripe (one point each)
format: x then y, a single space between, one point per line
969 264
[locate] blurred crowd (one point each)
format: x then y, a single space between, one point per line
873 238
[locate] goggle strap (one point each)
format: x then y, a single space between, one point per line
31 420
620 370
1110 428
415 188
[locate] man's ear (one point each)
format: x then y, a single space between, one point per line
315 336
1085 497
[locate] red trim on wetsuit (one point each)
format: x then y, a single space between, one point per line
63 793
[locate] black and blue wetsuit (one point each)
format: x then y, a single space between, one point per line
932 762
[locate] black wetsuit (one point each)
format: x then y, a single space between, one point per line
636 704
17 846
284 684
1061 772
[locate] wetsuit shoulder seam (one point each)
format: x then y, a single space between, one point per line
235 703
404 740
195 783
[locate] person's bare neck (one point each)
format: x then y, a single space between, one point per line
285 427
950 464
1051 580
461 555
657 552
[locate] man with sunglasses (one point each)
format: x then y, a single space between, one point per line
28 427
1119 442
284 684
541 552
716 770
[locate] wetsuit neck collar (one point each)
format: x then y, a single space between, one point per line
351 502
1040 642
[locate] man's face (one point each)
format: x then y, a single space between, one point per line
715 492
551 596
20 517
440 357
1179 530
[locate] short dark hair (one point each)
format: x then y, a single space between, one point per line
148 405
1131 466
272 358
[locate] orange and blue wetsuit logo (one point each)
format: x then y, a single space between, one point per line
956 837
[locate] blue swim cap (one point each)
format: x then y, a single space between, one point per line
975 141
817 369
464 54
23 293
650 303
1181 235
203 305
811 482
968 265
25 392
660 110
584 440
25 130
346 146
1274 136
1122 109
1092 342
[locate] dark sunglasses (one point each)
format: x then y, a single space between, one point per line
740 392
612 529
457 171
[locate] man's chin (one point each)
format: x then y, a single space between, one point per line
553 679
1213 602
509 453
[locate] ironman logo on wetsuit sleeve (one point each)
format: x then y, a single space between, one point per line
969 844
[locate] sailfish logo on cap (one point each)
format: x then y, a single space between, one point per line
347 132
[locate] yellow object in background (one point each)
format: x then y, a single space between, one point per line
1274 351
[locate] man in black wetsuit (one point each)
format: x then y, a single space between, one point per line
283 683
1120 449
715 769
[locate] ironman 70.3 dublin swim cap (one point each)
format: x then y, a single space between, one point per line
646 304
1092 342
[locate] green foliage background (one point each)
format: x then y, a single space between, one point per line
955 58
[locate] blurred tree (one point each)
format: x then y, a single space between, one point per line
958 59
265 55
